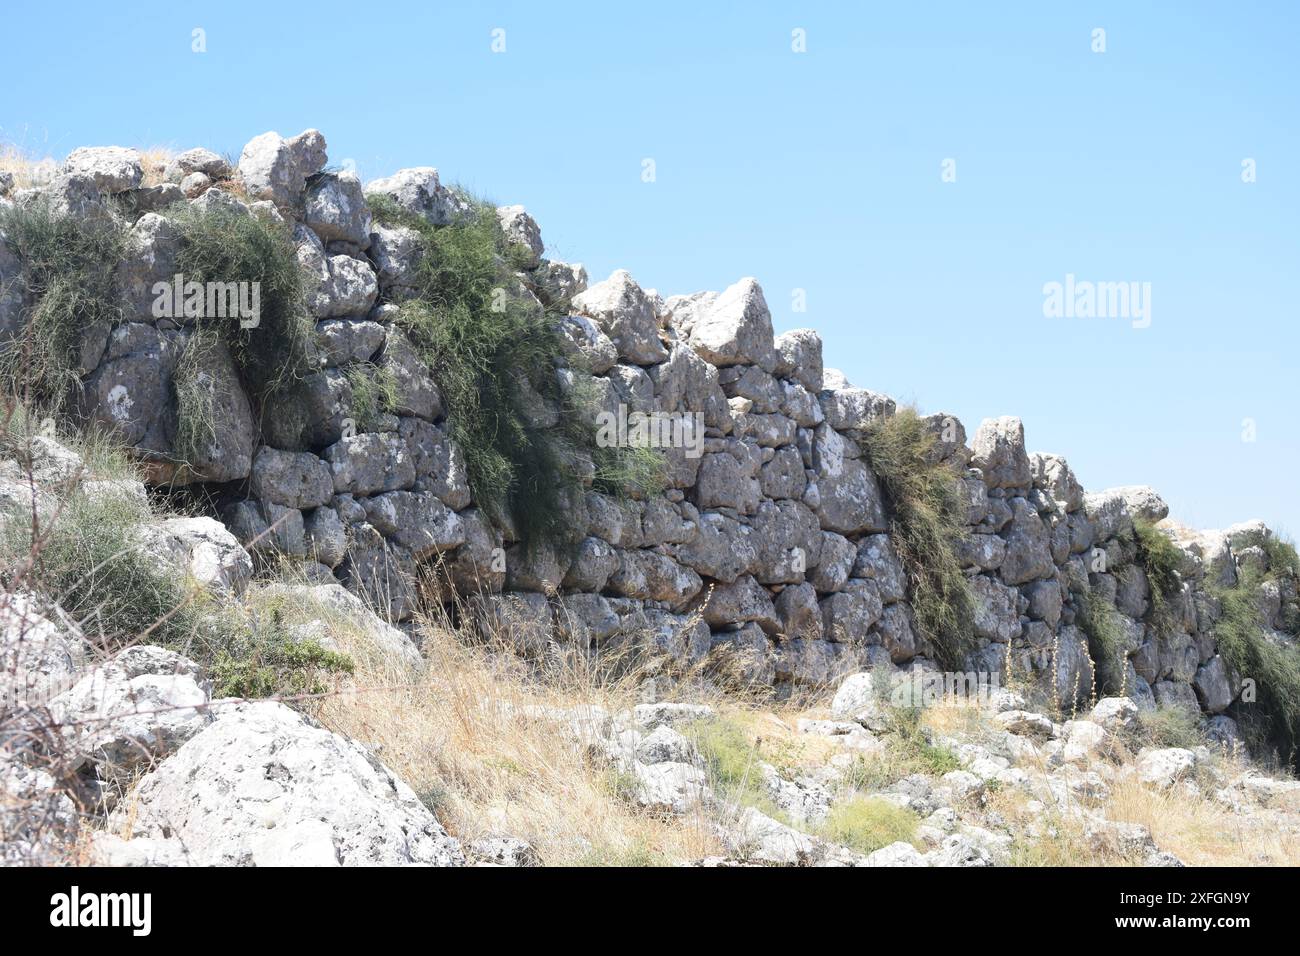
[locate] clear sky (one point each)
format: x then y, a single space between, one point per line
818 171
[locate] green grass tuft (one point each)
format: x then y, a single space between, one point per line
223 244
69 268
867 824
89 561
1159 558
1172 726
1272 721
1100 623
731 761
374 392
921 496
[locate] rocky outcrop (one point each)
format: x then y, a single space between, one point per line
262 786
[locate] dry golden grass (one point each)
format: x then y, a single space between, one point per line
471 733
1201 831
26 168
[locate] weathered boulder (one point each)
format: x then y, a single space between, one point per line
851 502
38 821
199 547
40 653
418 191
799 357
197 160
590 343
348 340
335 209
130 393
522 233
276 168
263 786
798 612
997 616
415 520
1053 474
133 710
396 252
849 409
292 479
736 328
1029 553
739 602
113 169
848 615
370 462
556 283
1163 768
999 452
624 313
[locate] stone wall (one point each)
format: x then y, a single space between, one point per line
769 553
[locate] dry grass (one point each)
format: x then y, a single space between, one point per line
480 741
1201 831
26 168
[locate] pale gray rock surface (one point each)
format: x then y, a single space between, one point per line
263 786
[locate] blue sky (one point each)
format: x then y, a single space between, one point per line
818 171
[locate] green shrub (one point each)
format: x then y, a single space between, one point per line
909 736
495 357
1282 557
70 271
637 855
867 824
1100 623
1272 721
265 662
1159 558
635 472
908 750
89 561
222 244
1169 726
921 496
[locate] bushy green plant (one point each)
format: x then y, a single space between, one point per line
69 267
1159 558
921 497
527 436
1246 643
908 734
226 244
1169 726
1282 557
268 663
88 558
867 824
1100 623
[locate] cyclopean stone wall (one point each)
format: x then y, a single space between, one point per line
770 551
